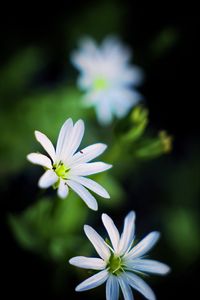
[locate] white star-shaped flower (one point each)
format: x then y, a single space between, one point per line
65 168
120 261
107 78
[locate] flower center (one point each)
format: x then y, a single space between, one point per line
100 83
61 170
115 265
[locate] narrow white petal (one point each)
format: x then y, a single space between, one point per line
140 285
45 143
87 154
91 185
83 193
126 290
47 179
111 230
40 159
88 263
93 281
75 139
63 189
104 110
63 138
112 288
127 234
125 98
85 56
98 243
144 246
149 266
90 168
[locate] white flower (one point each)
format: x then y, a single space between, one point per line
65 168
120 261
107 78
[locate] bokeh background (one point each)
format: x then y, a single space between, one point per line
37 91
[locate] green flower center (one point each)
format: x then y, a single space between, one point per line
61 170
100 83
115 265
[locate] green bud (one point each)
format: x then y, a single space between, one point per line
154 147
139 119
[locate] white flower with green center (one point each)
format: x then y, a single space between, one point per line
65 168
107 78
120 261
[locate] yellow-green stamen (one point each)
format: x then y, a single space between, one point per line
100 83
115 265
61 170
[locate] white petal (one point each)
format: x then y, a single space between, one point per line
111 230
140 285
63 189
126 290
98 243
133 75
112 288
83 193
90 168
40 159
144 246
93 281
124 99
91 185
83 57
104 110
88 262
128 233
46 144
88 153
74 139
47 179
63 139
149 266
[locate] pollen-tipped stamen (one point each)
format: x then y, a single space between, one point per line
61 170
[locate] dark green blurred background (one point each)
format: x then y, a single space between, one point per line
36 78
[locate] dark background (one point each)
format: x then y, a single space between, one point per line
170 88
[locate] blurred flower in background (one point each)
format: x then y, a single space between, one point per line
107 78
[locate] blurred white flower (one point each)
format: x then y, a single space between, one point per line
120 260
65 168
107 78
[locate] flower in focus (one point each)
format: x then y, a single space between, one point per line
107 78
119 260
65 168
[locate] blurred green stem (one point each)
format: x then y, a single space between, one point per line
55 205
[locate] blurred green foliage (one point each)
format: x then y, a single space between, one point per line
16 74
164 41
181 209
183 231
51 227
107 14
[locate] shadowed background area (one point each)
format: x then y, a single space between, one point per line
37 91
